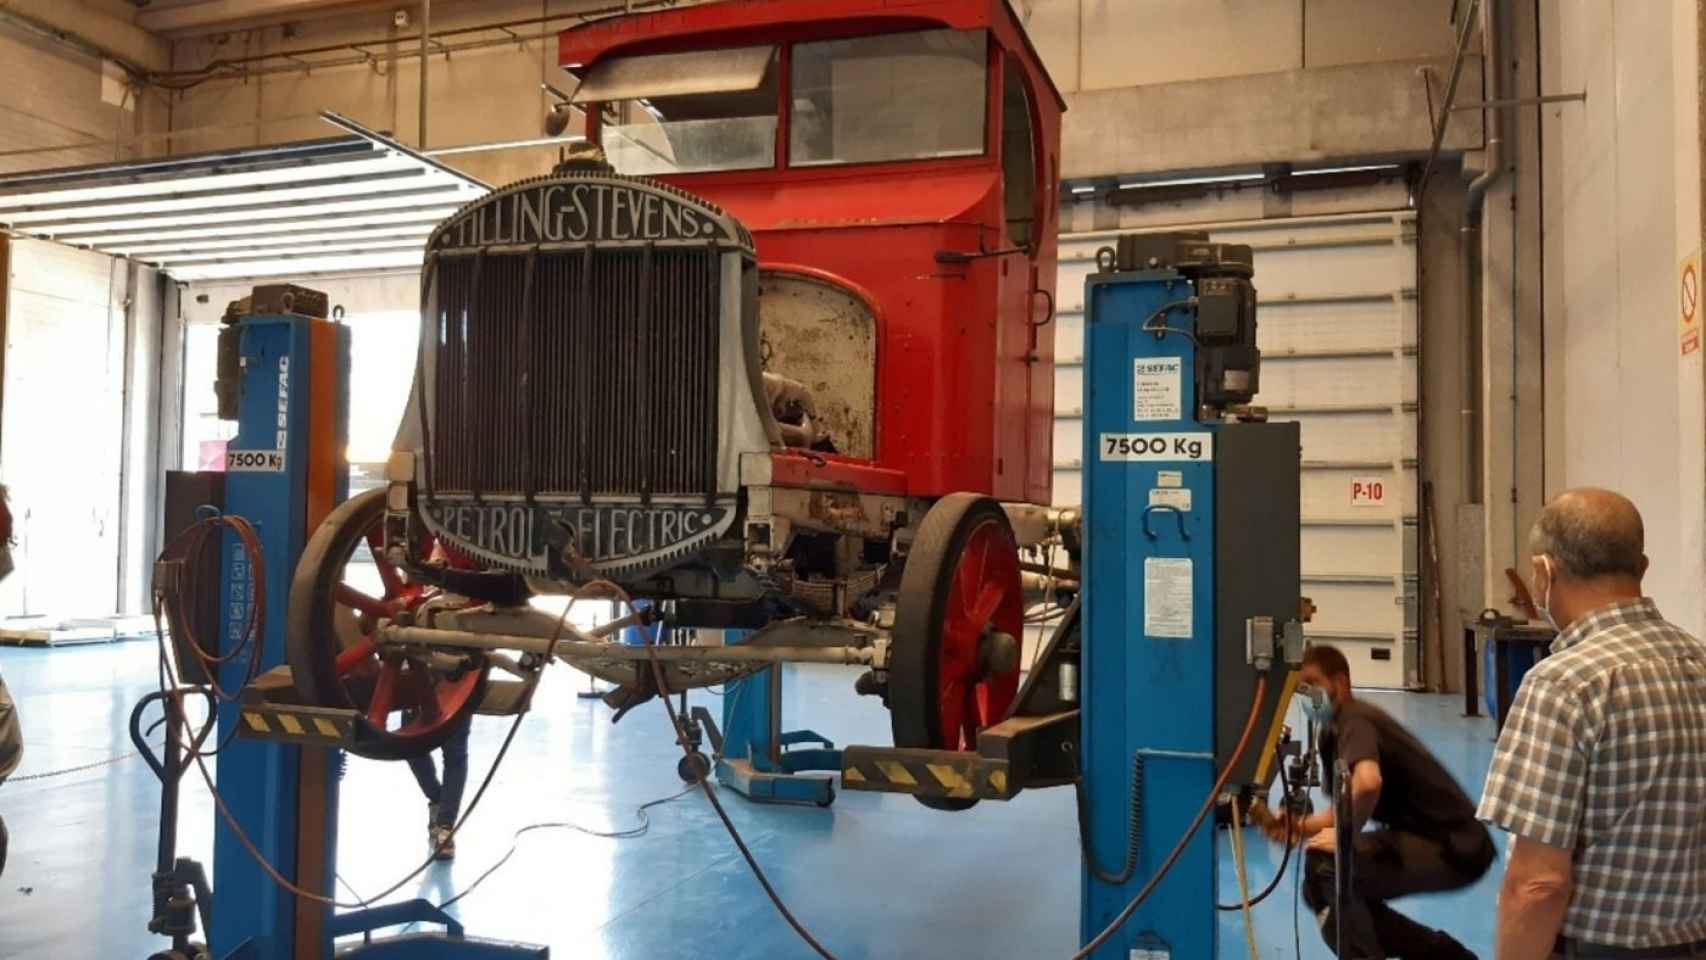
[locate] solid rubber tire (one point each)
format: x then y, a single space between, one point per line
924 590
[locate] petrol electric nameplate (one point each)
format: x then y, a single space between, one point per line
1152 447
605 537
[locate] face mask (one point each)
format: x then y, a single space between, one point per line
1544 605
1317 706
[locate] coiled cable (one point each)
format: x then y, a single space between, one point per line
1134 823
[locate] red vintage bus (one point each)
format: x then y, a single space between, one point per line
776 355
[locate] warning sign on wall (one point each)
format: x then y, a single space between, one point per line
1688 304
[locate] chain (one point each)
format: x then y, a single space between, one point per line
69 770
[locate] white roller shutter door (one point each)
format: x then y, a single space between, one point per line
60 446
1338 333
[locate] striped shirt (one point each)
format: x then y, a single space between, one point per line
1604 754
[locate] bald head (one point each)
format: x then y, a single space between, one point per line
1591 533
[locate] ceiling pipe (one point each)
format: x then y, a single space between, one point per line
357 52
1469 247
1457 61
426 65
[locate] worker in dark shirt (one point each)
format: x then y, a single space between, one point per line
1428 839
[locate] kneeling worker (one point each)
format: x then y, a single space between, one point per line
1429 839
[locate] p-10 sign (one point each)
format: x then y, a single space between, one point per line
1368 491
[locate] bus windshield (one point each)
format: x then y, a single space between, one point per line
688 113
906 96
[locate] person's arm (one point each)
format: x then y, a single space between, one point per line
1536 791
1316 822
1365 796
1365 791
1532 902
1358 746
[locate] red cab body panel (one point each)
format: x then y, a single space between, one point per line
965 341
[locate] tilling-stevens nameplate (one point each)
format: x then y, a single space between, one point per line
579 212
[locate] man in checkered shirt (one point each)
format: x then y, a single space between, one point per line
1600 773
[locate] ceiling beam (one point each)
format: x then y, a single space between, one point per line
97 33
194 15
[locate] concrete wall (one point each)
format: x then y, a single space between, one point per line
1216 83
1165 85
56 96
1622 173
1509 345
474 96
1445 362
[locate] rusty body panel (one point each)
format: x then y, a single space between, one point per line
818 333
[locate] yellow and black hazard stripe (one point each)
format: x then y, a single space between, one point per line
272 723
927 773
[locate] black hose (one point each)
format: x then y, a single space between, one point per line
1178 850
1285 858
1134 824
716 805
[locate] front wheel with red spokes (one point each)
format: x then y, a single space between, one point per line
344 587
953 662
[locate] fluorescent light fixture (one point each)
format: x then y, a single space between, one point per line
300 212
505 145
1081 190
98 236
372 190
299 266
221 181
360 204
1129 183
1361 169
171 261
418 233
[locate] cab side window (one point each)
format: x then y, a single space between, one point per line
1018 155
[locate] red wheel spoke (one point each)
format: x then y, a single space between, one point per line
982 595
421 691
351 597
975 718
987 602
387 571
953 710
355 656
384 694
969 577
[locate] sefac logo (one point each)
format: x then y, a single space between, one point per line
580 211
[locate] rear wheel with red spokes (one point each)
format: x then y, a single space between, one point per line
343 588
953 664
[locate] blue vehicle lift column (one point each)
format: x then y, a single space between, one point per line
1191 506
285 471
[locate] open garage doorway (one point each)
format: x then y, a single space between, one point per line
62 429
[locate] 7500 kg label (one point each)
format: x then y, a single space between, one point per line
254 461
1188 447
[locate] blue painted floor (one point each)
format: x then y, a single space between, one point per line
875 876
